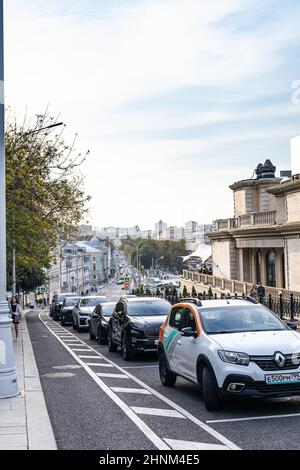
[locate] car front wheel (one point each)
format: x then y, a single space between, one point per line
126 353
211 397
112 347
167 377
92 336
101 339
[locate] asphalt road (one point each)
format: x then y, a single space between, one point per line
130 409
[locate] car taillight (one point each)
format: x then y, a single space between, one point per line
161 331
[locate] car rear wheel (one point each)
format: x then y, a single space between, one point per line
112 347
92 336
126 353
101 339
211 397
62 321
74 324
167 377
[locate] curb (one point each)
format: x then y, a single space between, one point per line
39 429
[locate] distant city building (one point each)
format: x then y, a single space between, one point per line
191 226
85 229
80 266
159 228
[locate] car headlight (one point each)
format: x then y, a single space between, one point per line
239 358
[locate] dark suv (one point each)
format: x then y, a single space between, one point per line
135 324
57 302
67 308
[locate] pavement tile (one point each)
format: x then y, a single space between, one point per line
32 384
13 418
12 430
9 441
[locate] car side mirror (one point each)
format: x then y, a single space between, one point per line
189 332
292 325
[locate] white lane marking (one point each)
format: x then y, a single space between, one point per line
139 367
86 350
113 376
154 438
169 402
190 445
157 412
230 420
141 391
98 364
88 357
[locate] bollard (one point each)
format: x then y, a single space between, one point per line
270 302
281 306
292 302
8 373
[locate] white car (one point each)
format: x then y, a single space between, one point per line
81 314
230 348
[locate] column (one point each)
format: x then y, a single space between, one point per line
241 265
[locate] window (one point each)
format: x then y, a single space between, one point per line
175 318
270 265
189 320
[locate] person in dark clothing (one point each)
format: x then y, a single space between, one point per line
16 314
261 292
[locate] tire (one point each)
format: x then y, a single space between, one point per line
167 378
212 400
101 340
62 322
112 347
92 336
74 324
126 353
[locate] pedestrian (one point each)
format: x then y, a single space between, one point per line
253 291
261 292
16 313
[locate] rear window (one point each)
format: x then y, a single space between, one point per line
71 301
107 309
149 308
92 301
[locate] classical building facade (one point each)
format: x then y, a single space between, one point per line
262 241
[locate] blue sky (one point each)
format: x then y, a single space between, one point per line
175 99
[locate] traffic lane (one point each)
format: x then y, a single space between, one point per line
145 367
82 416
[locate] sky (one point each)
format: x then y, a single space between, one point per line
175 99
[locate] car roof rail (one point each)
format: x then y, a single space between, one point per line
191 300
242 297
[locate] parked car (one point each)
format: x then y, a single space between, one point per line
56 304
135 324
67 308
82 311
99 321
230 348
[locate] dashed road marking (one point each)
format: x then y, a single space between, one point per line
113 376
87 350
191 445
98 364
155 439
157 412
251 418
141 391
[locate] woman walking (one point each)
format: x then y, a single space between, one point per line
16 314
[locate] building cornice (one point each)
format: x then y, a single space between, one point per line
284 188
255 182
274 230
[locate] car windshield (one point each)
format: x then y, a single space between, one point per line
71 301
148 308
91 301
236 319
107 309
61 298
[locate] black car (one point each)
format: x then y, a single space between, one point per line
67 308
56 305
99 321
135 324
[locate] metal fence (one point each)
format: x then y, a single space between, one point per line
286 309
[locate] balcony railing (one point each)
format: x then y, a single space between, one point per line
254 219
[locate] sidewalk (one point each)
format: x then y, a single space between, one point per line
24 420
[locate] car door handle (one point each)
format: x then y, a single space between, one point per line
179 342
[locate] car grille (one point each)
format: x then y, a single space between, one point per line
262 387
152 333
267 362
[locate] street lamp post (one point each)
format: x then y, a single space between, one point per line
8 373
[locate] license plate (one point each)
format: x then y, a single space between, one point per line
156 342
292 377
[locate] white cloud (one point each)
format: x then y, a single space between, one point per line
86 67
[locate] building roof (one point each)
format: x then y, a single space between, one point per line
203 252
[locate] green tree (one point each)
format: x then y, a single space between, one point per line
45 197
185 292
194 292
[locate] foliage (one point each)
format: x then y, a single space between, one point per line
185 292
45 197
194 292
169 251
